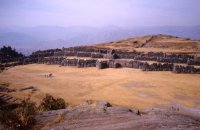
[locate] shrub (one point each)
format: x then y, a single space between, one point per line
50 103
20 118
2 69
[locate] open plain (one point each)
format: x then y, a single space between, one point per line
132 88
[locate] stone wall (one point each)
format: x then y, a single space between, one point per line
51 60
84 54
193 62
167 58
45 53
97 55
115 59
117 54
80 63
158 67
68 62
135 64
186 69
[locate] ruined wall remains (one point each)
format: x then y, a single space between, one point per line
186 69
102 64
193 62
84 54
80 63
68 62
158 67
118 54
97 55
115 59
135 64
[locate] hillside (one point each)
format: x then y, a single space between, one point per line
155 43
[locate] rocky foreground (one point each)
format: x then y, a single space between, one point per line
100 115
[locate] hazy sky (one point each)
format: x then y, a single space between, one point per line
99 12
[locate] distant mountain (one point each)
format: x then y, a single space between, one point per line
45 37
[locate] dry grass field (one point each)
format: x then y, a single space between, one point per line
155 43
132 88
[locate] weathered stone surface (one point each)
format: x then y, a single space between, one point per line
115 117
103 104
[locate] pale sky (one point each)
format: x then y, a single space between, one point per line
98 13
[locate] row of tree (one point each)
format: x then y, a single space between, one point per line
7 52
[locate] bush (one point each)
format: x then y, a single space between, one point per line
20 118
50 103
9 52
2 69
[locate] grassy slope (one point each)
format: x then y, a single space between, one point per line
155 43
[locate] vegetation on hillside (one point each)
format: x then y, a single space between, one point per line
9 53
22 117
50 103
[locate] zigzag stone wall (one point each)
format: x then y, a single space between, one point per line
116 59
186 69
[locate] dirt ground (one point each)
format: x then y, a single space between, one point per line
131 88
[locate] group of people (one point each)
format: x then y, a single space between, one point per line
48 75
